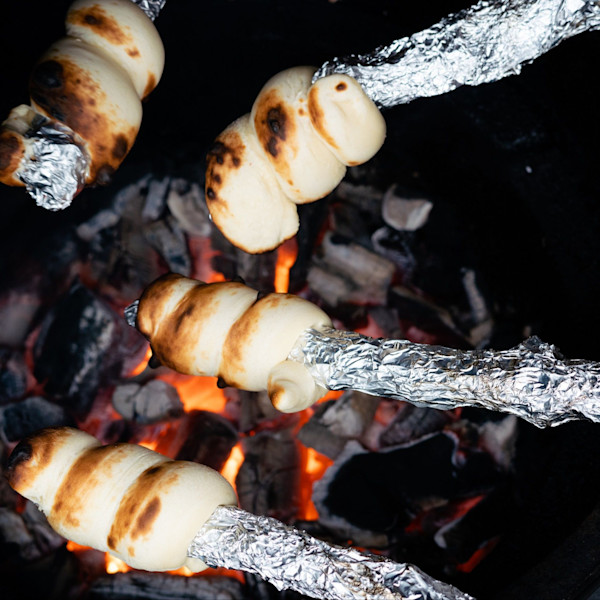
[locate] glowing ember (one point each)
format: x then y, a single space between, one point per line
73 547
143 364
115 565
286 257
202 254
477 556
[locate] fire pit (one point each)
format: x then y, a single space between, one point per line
474 227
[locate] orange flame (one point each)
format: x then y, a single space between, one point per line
286 257
233 463
197 393
143 364
314 466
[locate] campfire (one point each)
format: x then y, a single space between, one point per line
474 228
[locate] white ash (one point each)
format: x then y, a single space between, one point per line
126 198
186 203
152 402
156 199
168 239
404 214
357 273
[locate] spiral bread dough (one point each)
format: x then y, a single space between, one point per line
124 499
226 330
293 148
93 81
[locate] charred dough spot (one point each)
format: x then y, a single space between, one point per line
131 551
301 112
236 161
92 20
133 52
120 148
48 74
20 455
276 121
9 146
217 178
145 520
96 19
340 87
110 542
272 146
211 193
183 317
105 174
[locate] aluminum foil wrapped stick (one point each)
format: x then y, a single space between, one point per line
291 559
85 110
531 380
158 514
287 346
489 41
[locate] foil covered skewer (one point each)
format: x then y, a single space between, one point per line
484 43
532 380
487 42
291 559
55 164
156 514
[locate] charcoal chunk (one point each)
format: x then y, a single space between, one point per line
77 351
267 482
397 484
162 586
152 402
20 419
209 439
14 375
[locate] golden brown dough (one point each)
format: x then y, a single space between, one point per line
226 330
124 499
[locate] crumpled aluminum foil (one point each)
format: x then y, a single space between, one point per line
291 559
489 41
130 313
150 7
532 380
55 167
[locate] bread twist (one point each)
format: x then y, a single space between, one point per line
292 148
92 80
226 330
124 499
